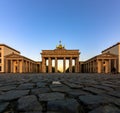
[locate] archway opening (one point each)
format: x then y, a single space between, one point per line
60 66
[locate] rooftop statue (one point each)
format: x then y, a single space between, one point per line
60 46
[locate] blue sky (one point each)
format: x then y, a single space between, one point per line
34 25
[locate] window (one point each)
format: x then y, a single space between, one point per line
0 68
0 60
0 54
0 48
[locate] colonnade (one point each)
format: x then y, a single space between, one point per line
90 66
100 65
20 66
44 65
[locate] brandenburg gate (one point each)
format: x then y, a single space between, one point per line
60 60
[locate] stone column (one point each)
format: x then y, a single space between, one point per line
102 66
49 65
26 66
56 69
70 65
32 68
18 66
77 65
86 67
22 66
109 65
115 64
11 66
93 65
6 66
43 65
64 64
97 66
90 66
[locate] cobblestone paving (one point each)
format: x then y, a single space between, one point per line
59 93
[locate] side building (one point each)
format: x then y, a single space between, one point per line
115 49
5 50
103 63
12 62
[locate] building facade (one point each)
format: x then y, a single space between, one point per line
59 60
67 60
5 50
103 63
16 63
115 49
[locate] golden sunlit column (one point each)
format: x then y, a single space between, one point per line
22 66
98 66
102 66
11 66
100 61
109 65
43 65
6 70
18 66
64 65
56 69
26 66
90 66
32 67
93 64
70 65
49 65
35 67
77 64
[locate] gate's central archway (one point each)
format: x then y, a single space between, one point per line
60 66
60 60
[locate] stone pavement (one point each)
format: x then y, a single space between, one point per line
59 93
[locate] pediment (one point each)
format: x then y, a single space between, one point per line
107 55
13 56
